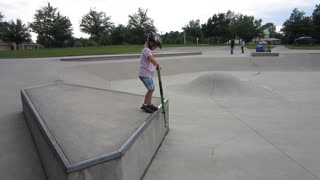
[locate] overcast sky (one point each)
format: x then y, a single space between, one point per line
168 15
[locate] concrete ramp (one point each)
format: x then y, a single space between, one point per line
220 85
84 133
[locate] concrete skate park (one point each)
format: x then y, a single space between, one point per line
231 117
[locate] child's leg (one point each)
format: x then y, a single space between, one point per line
148 97
148 82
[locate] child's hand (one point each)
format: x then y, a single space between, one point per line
158 67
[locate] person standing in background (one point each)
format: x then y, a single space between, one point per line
242 43
232 45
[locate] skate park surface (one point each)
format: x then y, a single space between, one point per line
232 117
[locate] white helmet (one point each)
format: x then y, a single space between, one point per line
154 37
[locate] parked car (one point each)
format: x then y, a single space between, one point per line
306 40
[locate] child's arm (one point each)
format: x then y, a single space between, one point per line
154 61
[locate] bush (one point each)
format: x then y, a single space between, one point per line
78 44
215 40
91 43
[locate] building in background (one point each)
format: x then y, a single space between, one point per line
6 46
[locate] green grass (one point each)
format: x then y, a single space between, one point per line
304 47
78 51
54 52
113 49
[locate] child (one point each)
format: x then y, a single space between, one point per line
146 69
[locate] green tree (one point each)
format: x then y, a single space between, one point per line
16 32
217 28
2 26
193 31
245 27
316 21
296 26
1 19
173 37
118 34
233 24
61 30
224 26
97 25
271 28
139 25
53 29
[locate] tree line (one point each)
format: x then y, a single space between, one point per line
55 30
222 27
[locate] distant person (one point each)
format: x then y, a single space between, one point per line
269 47
260 47
242 43
146 69
232 45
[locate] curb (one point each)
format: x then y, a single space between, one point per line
126 56
255 54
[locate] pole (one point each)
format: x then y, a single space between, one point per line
163 105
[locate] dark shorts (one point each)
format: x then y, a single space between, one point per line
148 82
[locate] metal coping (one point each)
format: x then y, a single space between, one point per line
126 56
69 168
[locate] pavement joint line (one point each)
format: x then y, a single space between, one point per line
259 134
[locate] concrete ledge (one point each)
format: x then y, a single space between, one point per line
125 56
80 136
264 54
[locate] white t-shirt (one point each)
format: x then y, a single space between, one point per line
146 68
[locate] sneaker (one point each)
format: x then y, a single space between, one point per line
152 107
146 108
